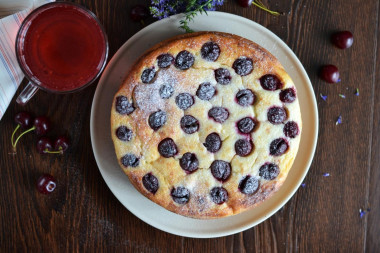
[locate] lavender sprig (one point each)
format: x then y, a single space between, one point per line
164 8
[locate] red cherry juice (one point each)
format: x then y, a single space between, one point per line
64 47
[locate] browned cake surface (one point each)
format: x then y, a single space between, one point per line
206 124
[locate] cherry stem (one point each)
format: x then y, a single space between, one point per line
46 151
18 138
13 134
259 4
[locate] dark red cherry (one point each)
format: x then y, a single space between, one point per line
130 160
219 195
277 115
223 76
180 195
221 170
243 147
123 133
245 97
42 125
271 82
269 171
165 60
249 185
189 124
329 73
219 114
44 145
291 129
123 106
167 148
157 120
139 12
213 142
184 101
62 143
278 147
205 91
184 60
150 183
288 95
189 162
245 3
343 39
210 51
148 75
24 119
243 66
46 184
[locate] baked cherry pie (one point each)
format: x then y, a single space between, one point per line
206 124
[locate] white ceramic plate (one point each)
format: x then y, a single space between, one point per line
118 182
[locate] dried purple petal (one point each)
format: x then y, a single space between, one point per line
363 212
342 96
339 120
326 174
323 97
357 92
303 185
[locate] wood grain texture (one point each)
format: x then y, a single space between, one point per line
83 215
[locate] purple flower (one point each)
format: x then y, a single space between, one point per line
342 96
303 185
323 97
357 92
326 174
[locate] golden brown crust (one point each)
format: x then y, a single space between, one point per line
168 172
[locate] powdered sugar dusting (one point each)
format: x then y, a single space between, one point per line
147 96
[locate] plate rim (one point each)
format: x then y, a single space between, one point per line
118 54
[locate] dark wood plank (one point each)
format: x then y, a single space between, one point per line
372 201
83 215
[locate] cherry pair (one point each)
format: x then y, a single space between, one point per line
342 40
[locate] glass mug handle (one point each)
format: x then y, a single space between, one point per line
27 94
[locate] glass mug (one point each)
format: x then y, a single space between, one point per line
61 47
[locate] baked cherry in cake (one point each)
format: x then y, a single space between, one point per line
206 125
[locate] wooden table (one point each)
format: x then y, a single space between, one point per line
83 214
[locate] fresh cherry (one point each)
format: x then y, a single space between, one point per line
330 74
139 13
44 145
24 120
343 39
245 3
46 184
41 125
62 143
